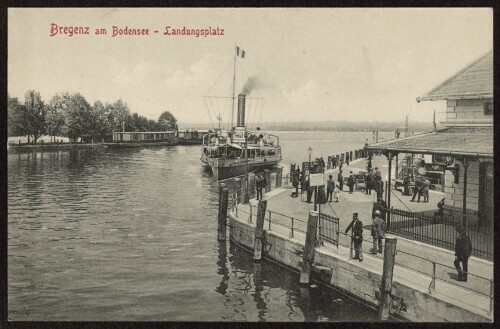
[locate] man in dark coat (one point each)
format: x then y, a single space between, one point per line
309 190
406 185
379 187
334 162
419 184
381 206
356 237
259 184
340 178
370 181
350 182
463 249
330 185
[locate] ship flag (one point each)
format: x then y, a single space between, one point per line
238 53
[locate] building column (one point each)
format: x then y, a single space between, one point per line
465 163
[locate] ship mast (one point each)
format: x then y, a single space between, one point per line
234 87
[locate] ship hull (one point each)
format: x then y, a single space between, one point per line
230 171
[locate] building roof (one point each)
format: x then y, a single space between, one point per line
474 141
474 81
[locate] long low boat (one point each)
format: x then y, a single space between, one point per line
142 139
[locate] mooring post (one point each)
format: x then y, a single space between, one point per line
387 274
223 215
237 189
221 186
279 176
259 228
309 247
267 175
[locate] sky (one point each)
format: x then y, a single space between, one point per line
308 64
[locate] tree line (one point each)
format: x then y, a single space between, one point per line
70 115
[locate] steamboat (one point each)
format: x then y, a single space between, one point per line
237 151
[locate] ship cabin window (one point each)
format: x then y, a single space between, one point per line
488 108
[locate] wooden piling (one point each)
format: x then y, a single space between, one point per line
387 274
279 176
223 215
309 247
259 228
221 186
267 175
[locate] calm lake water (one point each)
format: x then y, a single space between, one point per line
132 235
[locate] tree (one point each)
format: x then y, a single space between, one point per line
102 127
35 114
119 113
168 121
16 113
78 117
54 119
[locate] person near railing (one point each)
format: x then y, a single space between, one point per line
309 190
260 184
378 232
463 250
356 236
329 188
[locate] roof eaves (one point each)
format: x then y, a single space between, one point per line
427 95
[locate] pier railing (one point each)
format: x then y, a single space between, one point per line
328 235
437 273
439 231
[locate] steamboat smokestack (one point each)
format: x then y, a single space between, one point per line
241 110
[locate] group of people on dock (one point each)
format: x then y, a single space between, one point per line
421 188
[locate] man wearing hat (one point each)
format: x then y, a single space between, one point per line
356 236
377 232
419 184
463 249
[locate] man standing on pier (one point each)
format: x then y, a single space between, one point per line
463 249
419 184
329 188
377 232
350 182
260 184
340 178
356 236
370 180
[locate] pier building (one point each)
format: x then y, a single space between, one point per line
463 149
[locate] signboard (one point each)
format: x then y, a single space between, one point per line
316 179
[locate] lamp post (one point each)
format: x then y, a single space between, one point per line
309 150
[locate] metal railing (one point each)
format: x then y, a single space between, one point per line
327 232
439 231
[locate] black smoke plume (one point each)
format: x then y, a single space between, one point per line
251 84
